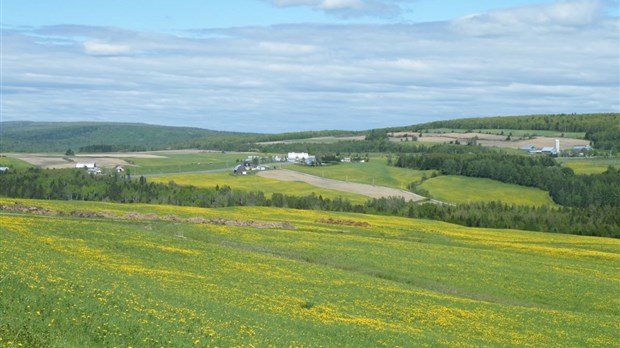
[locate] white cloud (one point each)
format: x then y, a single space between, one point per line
286 48
105 49
320 76
349 8
561 15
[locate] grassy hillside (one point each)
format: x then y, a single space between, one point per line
255 183
185 162
143 281
59 136
374 172
461 189
590 165
13 163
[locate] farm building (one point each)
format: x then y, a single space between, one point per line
582 148
119 169
549 150
297 156
528 148
4 169
310 160
81 165
240 169
95 170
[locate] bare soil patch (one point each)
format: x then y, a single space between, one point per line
314 140
362 189
21 208
332 221
494 140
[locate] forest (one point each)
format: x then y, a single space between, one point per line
78 185
565 188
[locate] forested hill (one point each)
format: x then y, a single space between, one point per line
96 137
603 129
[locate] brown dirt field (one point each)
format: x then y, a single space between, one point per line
493 140
47 161
362 189
313 140
108 160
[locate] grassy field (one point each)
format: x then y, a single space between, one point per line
461 189
255 183
590 165
137 282
13 163
179 163
375 172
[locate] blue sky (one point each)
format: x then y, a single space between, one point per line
292 65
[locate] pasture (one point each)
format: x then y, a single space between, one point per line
184 161
13 163
255 183
374 172
460 189
144 281
590 165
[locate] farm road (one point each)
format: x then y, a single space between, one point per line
363 189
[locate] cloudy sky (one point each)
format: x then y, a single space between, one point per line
292 65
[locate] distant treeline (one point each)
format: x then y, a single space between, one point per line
543 172
78 185
111 148
602 129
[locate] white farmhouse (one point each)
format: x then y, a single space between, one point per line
81 165
297 156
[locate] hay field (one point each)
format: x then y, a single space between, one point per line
461 189
68 281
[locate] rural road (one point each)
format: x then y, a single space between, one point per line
362 189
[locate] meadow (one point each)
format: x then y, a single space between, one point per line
374 172
460 190
321 281
185 162
252 182
588 166
13 163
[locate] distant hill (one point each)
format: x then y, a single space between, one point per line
603 129
24 136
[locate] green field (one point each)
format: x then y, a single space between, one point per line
180 163
13 163
256 183
590 165
375 172
141 281
461 189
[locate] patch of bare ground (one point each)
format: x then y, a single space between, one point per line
351 187
332 221
87 214
494 140
47 161
314 140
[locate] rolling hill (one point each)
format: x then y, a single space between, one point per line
102 274
60 136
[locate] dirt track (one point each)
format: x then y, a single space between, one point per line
362 189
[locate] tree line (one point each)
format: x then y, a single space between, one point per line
564 187
74 184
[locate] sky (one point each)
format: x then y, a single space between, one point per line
272 66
